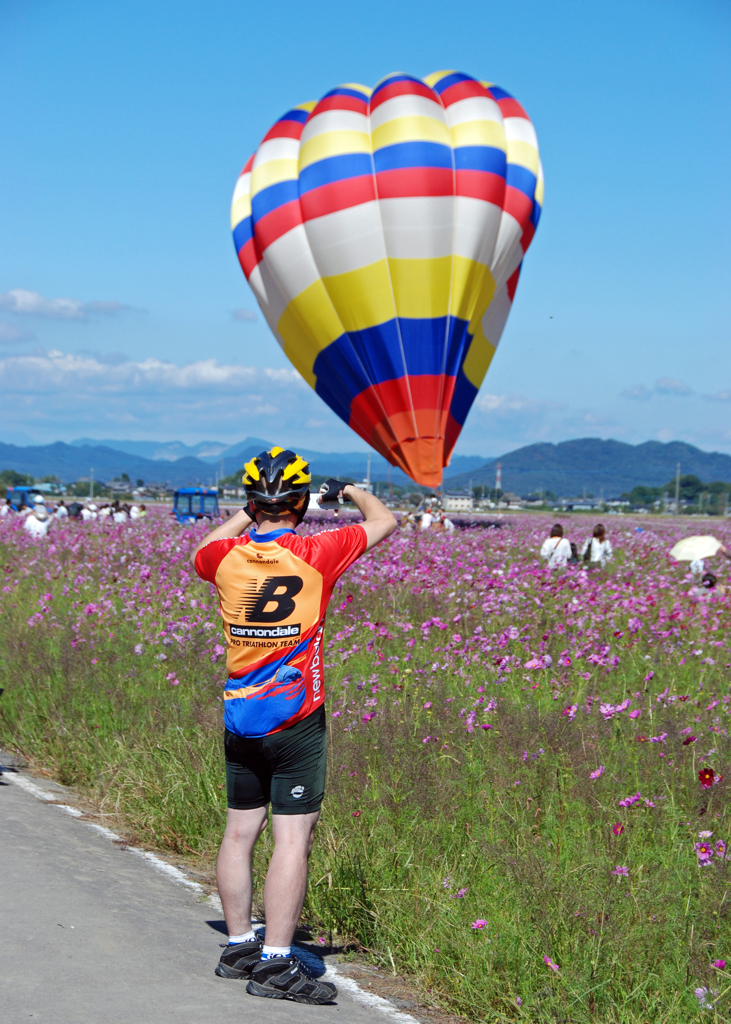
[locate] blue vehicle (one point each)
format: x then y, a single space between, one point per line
194 503
21 497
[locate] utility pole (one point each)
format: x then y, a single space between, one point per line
677 489
91 484
498 482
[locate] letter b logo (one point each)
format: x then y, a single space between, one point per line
277 591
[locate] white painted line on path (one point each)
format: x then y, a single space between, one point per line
332 973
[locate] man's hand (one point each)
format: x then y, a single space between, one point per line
233 527
331 491
379 522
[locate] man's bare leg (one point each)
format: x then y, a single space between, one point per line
233 867
286 881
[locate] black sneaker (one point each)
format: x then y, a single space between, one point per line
284 977
239 960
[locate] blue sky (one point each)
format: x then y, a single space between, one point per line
125 125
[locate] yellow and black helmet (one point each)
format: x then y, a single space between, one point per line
277 482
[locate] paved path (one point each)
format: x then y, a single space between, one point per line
92 934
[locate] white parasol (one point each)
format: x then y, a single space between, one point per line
689 549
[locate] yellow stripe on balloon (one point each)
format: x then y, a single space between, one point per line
478 358
421 287
410 129
272 173
362 297
480 133
333 144
308 325
524 154
473 287
437 76
360 88
240 210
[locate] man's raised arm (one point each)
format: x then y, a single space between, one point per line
232 527
379 522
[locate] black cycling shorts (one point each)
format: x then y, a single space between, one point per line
286 768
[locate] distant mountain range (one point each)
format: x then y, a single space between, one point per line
607 468
141 460
568 469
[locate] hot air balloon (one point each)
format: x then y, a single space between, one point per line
382 232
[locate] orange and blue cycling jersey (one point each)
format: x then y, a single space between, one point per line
274 590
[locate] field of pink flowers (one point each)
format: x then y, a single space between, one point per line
527 807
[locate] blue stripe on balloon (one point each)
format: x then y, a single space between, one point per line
346 92
295 115
334 168
412 154
522 179
451 80
242 233
395 78
273 197
355 361
480 158
464 395
500 94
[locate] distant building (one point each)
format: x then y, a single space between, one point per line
455 501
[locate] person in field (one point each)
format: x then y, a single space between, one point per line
274 588
556 549
597 549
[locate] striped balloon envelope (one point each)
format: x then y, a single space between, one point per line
382 232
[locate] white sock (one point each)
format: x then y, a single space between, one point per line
249 937
268 952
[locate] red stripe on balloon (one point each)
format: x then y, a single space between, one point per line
462 91
402 88
284 130
518 205
340 103
511 108
249 164
513 283
528 233
338 195
277 223
481 185
249 258
415 181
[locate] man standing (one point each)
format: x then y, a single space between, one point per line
274 588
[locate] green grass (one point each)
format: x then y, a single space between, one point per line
407 824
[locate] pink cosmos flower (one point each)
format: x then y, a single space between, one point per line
479 924
618 828
599 771
549 963
705 852
635 714
720 964
619 870
720 849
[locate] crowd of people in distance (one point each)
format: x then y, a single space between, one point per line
38 517
559 551
429 519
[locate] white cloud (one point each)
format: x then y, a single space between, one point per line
57 394
26 303
720 396
639 391
672 386
54 370
9 334
246 315
510 405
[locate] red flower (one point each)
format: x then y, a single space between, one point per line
689 739
357 814
618 828
642 738
706 777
